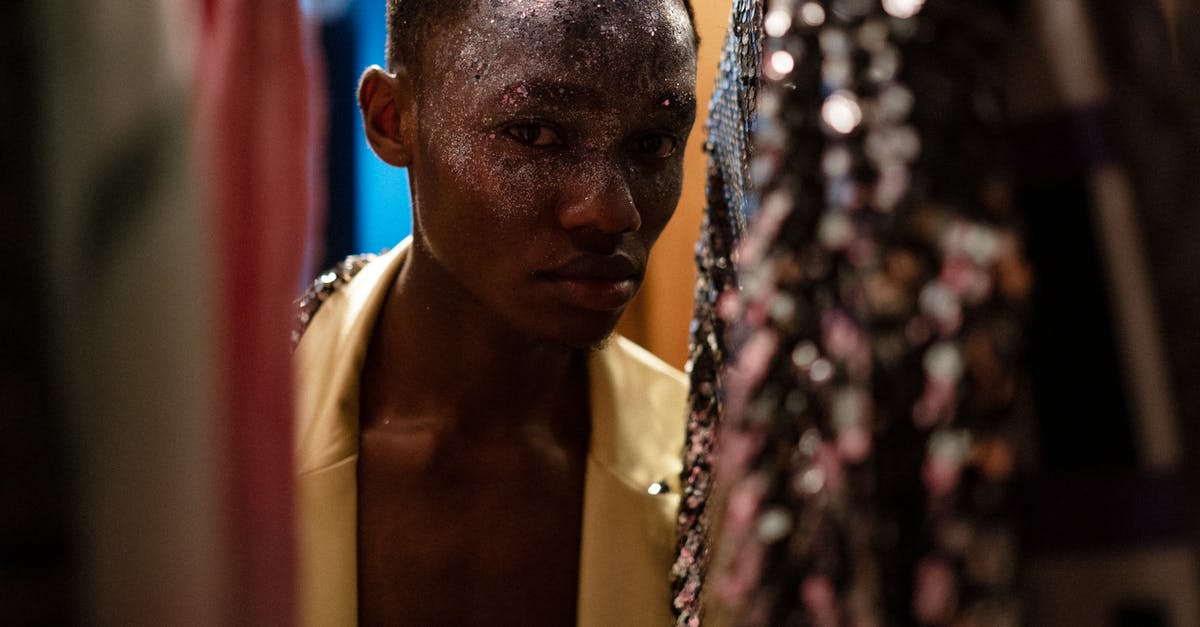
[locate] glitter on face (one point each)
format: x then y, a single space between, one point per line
525 162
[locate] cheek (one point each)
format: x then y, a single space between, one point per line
488 184
658 195
489 208
520 190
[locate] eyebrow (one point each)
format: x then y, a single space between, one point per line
681 102
563 92
575 94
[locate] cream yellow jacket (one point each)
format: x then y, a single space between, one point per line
638 413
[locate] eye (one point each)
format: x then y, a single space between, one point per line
657 146
534 134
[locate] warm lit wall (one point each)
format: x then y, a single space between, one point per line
660 316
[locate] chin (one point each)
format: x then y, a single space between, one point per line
582 341
588 335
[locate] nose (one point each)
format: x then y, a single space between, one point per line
601 201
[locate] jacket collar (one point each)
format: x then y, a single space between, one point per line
627 533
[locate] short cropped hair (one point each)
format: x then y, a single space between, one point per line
408 21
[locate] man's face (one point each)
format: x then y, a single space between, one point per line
549 154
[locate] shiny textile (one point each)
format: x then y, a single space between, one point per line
323 288
876 332
730 124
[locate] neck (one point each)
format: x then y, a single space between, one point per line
445 356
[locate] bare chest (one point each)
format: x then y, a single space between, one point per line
453 532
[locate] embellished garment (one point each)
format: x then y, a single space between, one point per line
730 123
631 491
323 287
860 372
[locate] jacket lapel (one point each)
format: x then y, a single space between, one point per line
637 435
628 533
329 362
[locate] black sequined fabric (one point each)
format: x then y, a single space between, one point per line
324 286
867 364
731 111
730 125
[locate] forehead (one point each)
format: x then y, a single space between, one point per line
599 40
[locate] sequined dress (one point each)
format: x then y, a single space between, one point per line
852 385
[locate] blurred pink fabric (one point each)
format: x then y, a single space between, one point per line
259 116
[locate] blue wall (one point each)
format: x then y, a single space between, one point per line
383 206
368 200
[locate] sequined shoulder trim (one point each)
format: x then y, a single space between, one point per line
323 287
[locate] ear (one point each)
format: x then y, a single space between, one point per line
386 101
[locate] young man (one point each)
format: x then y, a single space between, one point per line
473 448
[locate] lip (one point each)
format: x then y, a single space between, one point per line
598 283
